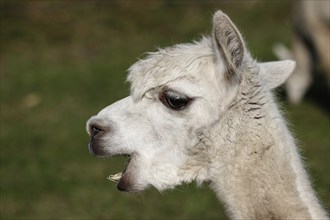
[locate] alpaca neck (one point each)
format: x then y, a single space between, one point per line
261 175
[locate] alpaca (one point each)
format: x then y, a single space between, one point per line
310 39
204 112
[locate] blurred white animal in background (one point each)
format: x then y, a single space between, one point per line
310 43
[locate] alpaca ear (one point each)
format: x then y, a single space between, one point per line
228 44
273 74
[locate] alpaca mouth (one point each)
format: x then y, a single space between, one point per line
116 177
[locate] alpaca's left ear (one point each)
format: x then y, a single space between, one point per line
273 74
229 45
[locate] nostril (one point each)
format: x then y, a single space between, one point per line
95 130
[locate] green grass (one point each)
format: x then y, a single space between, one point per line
62 62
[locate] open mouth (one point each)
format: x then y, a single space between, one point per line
116 177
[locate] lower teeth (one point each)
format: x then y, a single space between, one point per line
116 177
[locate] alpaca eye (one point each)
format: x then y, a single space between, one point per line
174 100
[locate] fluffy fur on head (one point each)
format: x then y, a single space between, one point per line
169 64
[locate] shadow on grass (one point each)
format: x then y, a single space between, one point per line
318 93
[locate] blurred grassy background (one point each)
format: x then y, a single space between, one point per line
63 61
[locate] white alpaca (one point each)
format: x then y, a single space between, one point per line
205 112
311 24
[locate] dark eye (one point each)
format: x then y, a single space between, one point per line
174 100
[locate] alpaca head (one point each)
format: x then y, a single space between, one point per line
177 94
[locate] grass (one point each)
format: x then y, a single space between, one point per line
63 61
